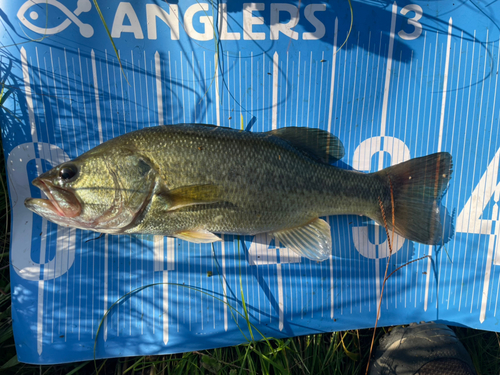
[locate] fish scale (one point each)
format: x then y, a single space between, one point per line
267 183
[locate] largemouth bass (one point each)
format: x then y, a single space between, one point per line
191 181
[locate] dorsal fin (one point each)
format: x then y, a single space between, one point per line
315 143
207 126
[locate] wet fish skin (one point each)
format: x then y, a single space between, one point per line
190 181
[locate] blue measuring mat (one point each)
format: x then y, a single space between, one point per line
409 80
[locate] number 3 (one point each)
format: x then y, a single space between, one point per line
412 21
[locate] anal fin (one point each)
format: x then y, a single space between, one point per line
312 241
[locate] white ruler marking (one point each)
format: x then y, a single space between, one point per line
170 253
159 93
388 71
332 85
320 87
240 74
105 306
224 281
134 87
96 94
171 91
280 296
183 87
445 84
286 89
331 288
165 307
275 90
298 89
204 85
195 119
217 98
487 273
39 320
146 75
309 90
29 98
263 86
228 69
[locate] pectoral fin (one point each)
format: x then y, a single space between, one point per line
313 240
198 236
192 195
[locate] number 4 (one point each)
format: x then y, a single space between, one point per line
469 219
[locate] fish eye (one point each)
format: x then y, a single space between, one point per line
68 172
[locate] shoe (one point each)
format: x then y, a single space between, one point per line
421 349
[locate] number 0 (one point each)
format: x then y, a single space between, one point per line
412 21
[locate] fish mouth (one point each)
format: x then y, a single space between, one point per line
60 202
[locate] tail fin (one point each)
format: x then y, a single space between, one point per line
417 187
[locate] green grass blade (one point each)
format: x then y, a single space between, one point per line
76 369
10 363
243 296
3 97
110 38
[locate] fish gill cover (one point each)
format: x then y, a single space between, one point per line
411 80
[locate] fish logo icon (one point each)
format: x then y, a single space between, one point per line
72 17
